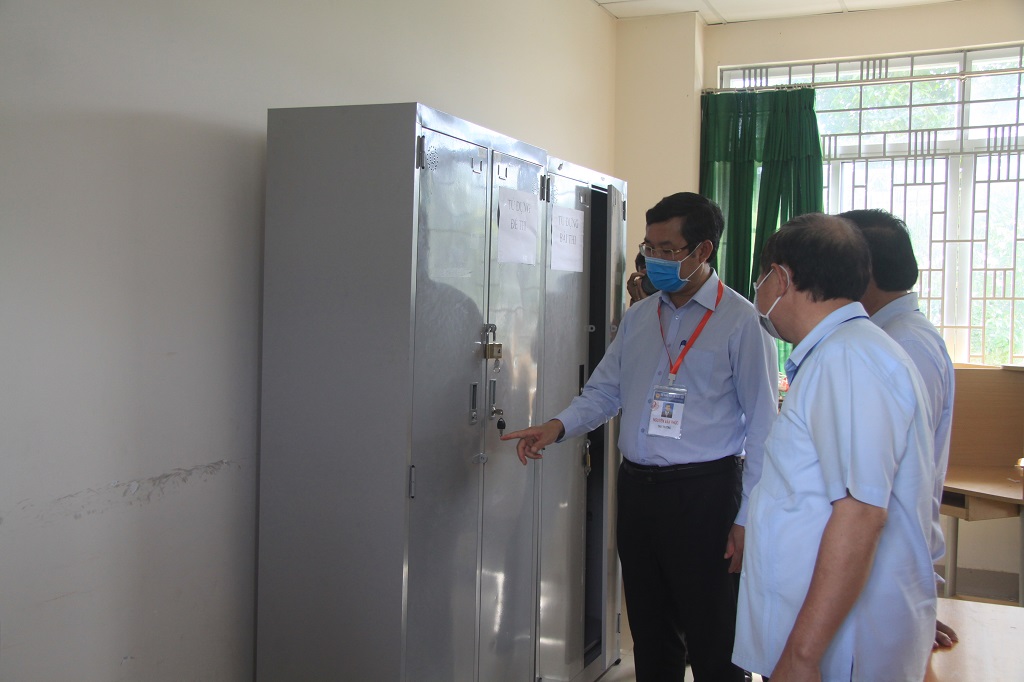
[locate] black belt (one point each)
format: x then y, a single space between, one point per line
653 474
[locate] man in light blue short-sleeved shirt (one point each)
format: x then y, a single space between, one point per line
837 578
894 308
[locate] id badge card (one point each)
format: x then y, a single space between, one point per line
667 412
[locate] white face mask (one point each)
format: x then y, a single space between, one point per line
765 320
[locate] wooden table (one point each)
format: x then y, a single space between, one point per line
975 493
990 646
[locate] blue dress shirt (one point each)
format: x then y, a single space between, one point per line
730 375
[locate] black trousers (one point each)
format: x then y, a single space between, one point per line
673 526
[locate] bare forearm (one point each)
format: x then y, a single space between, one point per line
841 570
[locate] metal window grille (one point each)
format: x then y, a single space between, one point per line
936 139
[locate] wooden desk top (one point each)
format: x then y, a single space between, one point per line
989 647
1002 483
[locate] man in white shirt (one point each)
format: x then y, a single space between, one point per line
695 378
837 580
894 308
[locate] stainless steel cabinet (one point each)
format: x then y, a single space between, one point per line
399 538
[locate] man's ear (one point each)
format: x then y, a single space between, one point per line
704 250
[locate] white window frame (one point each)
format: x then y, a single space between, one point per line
977 159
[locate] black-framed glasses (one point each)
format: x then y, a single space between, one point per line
648 251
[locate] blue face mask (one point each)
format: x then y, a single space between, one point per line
664 274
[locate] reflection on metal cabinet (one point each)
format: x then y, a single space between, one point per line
411 310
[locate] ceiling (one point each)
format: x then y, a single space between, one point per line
730 11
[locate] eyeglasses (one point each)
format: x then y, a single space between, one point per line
648 251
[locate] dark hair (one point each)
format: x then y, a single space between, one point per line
702 218
827 256
893 264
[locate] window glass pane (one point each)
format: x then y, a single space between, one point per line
1002 224
838 122
899 67
930 65
825 73
936 92
1018 282
835 99
977 307
887 95
932 117
897 140
991 113
1018 335
997 332
849 71
801 73
994 87
778 75
994 59
880 120
732 78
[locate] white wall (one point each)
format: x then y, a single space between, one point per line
132 140
657 105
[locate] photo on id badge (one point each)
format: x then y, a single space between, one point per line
667 411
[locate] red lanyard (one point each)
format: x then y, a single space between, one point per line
693 339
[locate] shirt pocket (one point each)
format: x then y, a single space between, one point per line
700 365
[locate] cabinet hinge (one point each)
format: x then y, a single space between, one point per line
412 482
421 153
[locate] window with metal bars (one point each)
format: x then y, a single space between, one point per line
936 139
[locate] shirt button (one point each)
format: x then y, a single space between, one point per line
643 430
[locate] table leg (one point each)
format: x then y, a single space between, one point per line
1020 565
952 536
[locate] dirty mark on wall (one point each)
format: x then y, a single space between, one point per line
122 493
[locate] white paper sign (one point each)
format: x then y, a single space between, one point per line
566 239
517 226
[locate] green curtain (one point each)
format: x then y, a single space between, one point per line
732 136
791 182
758 149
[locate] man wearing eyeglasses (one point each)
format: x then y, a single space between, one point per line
837 580
695 378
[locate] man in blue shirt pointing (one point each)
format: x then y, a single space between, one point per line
695 379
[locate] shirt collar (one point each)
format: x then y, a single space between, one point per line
823 329
894 308
706 295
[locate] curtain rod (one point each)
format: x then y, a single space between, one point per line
878 81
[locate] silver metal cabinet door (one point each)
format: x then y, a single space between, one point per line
560 635
444 514
508 570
